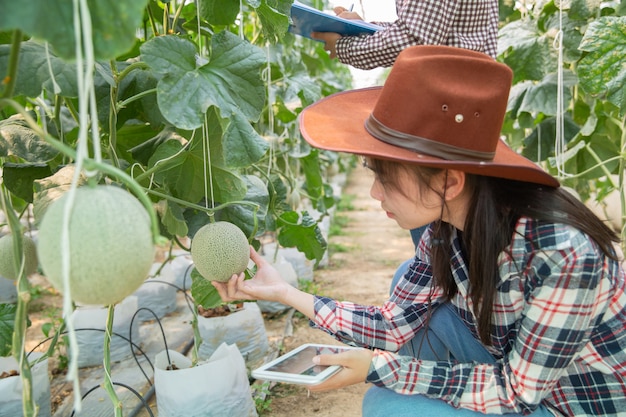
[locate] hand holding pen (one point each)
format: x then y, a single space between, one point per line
347 13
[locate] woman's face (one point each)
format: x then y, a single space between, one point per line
404 201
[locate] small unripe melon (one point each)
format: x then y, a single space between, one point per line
110 241
220 250
7 256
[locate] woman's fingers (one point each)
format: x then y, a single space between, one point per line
230 290
355 363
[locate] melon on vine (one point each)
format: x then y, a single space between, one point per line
219 250
7 256
109 242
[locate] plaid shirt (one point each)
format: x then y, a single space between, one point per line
559 329
469 24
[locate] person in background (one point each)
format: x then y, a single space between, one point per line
515 292
469 24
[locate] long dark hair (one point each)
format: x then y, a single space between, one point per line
495 206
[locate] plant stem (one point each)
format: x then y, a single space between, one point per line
177 15
113 116
14 59
29 407
129 100
197 337
622 165
155 30
210 211
106 362
129 69
601 163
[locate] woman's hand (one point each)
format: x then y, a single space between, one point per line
355 362
267 284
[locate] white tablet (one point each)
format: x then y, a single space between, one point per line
297 367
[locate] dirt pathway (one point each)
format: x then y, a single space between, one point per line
363 258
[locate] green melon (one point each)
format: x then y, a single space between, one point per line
220 250
7 256
110 240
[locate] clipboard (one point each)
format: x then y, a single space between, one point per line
306 19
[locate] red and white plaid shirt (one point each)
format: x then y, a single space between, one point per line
559 335
469 24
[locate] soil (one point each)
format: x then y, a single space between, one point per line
365 247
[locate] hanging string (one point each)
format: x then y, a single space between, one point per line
55 85
85 67
206 160
207 175
560 145
267 77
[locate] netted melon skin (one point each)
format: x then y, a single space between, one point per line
111 247
220 250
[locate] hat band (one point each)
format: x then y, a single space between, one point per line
423 145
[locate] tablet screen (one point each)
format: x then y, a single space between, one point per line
297 366
302 362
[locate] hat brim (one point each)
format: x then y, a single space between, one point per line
337 123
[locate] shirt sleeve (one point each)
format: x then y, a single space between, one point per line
386 327
563 291
471 24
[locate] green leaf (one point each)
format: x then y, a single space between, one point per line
136 141
243 215
144 150
242 145
602 71
146 109
219 12
274 16
19 178
542 97
605 150
571 35
231 80
526 51
172 218
185 174
304 87
203 292
38 69
302 233
314 181
540 144
7 322
582 9
16 138
46 328
114 24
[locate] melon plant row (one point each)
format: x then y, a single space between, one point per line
195 102
189 107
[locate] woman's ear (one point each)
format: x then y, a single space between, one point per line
454 183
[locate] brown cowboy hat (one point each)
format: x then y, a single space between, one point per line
440 107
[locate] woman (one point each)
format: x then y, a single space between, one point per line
514 303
